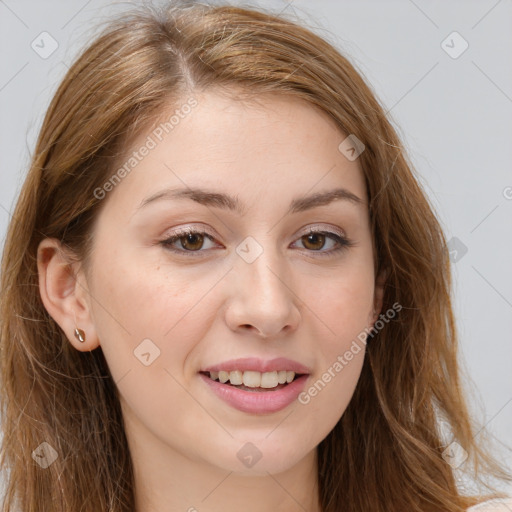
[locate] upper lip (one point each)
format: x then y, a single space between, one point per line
259 365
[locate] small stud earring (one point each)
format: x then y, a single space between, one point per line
80 335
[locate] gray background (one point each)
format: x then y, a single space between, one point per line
454 115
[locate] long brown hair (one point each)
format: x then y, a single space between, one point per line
385 453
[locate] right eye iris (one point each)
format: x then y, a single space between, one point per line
194 239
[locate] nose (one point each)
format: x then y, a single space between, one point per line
261 298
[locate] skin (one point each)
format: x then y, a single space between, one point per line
293 301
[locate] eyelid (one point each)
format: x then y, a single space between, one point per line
191 229
324 227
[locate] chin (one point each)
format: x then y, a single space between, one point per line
257 456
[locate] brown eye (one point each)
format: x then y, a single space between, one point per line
314 241
192 241
324 243
188 242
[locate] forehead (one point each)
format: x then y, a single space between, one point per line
249 145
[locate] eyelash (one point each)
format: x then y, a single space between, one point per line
344 243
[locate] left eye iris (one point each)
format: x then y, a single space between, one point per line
317 240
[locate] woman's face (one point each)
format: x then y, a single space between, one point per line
251 285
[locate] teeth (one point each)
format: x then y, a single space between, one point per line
269 380
236 377
253 379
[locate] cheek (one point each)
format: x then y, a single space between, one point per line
343 310
343 305
327 395
148 323
151 310
342 302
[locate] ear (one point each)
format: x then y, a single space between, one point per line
380 281
64 293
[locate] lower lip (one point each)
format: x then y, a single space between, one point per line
257 402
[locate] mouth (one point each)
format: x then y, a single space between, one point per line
257 386
254 381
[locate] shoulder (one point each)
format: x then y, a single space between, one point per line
497 505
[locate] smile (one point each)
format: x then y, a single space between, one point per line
255 386
253 379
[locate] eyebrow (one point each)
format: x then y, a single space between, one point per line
227 202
